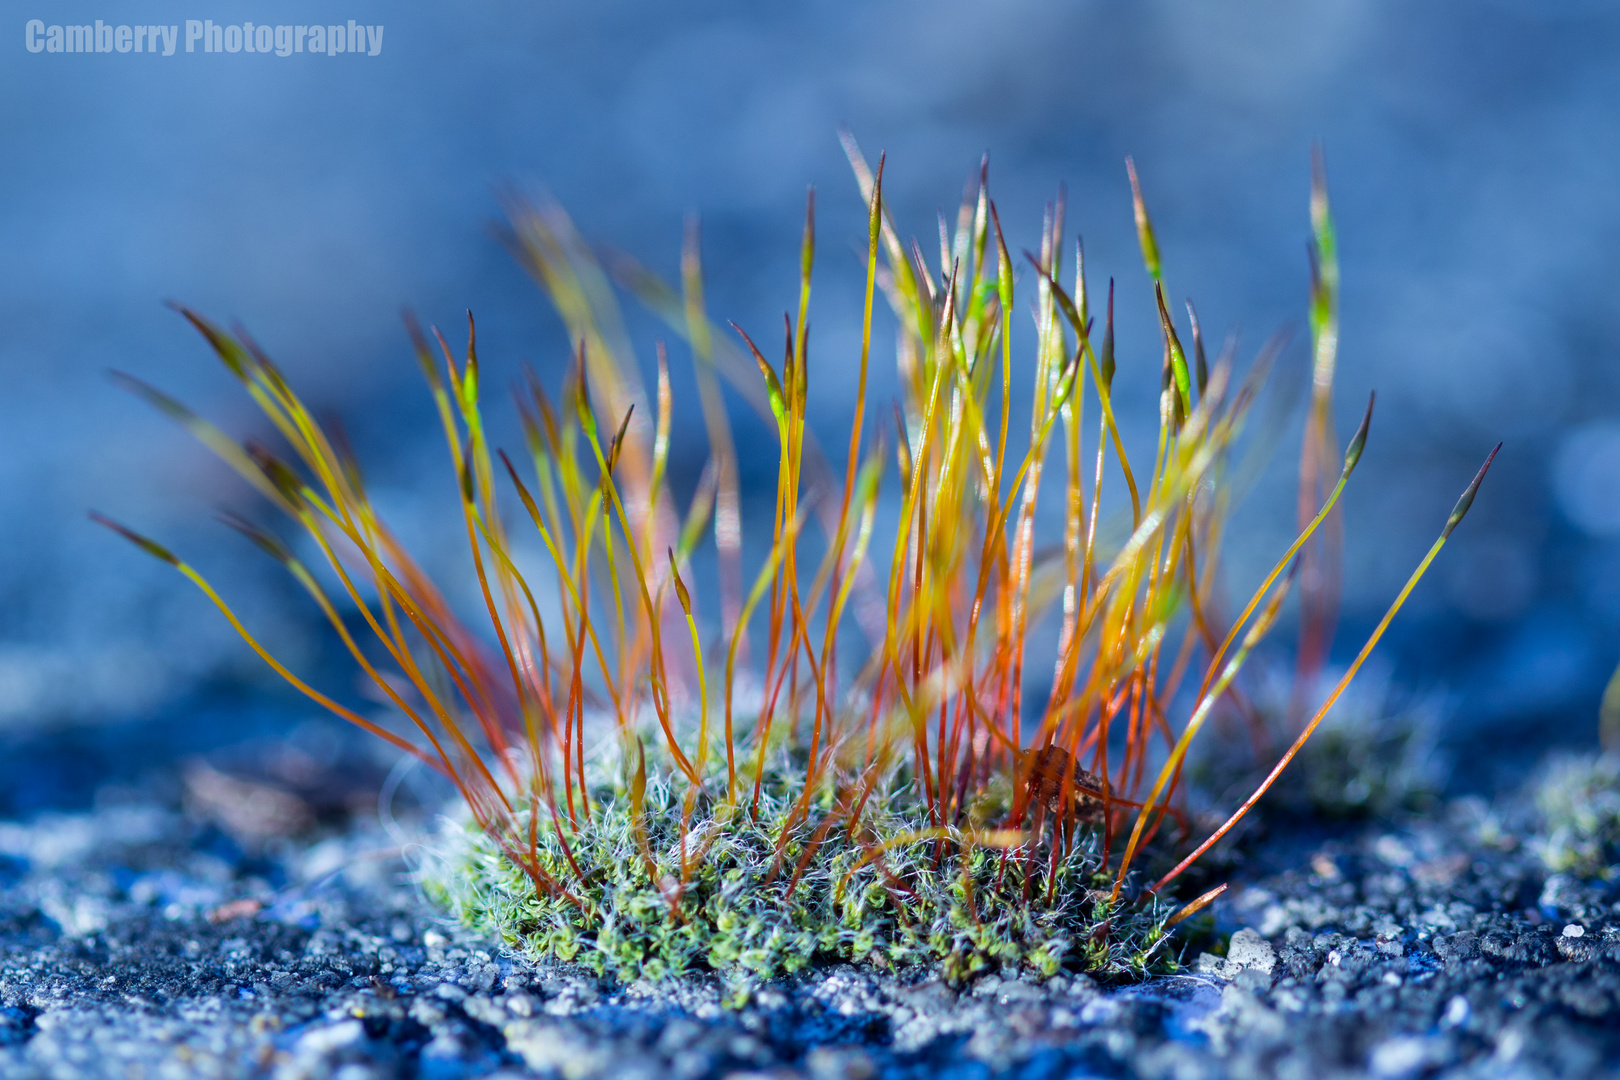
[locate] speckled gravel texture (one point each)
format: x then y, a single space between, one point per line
138 941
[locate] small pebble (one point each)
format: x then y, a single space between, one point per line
1252 951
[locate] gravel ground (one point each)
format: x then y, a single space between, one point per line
140 939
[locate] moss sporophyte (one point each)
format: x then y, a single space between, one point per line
832 757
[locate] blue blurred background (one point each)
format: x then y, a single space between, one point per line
1471 151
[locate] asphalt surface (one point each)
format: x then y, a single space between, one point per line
155 936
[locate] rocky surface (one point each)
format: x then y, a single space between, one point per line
138 939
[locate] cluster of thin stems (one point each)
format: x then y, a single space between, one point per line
508 706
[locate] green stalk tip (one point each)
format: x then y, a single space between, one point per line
1144 225
151 547
807 249
1459 511
618 439
773 385
1352 453
1175 356
469 376
1201 371
680 586
265 540
466 478
582 398
1105 356
874 221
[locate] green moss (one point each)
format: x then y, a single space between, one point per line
968 909
1373 755
1579 801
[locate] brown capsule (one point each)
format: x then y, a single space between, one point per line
1045 785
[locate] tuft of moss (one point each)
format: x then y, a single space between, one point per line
1374 754
919 805
1578 799
933 896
